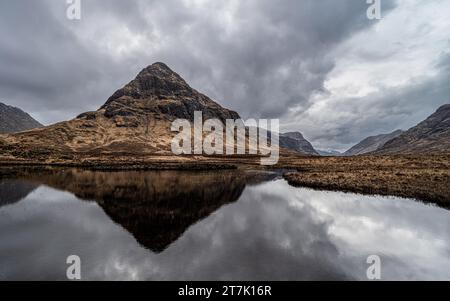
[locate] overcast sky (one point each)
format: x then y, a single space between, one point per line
320 66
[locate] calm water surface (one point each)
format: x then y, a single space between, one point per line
226 225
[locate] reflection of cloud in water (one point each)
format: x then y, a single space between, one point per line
411 238
274 231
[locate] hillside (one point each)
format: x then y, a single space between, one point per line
430 136
371 144
13 120
296 142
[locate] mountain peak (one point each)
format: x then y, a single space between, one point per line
161 71
159 65
444 108
159 90
156 81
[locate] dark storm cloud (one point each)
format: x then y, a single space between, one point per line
257 57
44 66
273 56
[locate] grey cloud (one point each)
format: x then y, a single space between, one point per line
276 59
270 56
45 68
394 108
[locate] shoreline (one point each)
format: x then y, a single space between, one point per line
365 190
124 167
427 187
421 177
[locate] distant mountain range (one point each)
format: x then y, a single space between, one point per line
14 120
329 153
430 136
371 144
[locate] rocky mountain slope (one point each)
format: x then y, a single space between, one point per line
296 142
430 136
371 144
158 90
14 120
135 119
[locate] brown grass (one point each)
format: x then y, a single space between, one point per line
423 177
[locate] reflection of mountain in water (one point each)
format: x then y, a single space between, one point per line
155 207
12 191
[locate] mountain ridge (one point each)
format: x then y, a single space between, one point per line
13 119
429 136
295 141
371 143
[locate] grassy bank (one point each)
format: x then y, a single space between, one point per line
425 178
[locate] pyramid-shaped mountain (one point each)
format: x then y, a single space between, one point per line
159 90
136 119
